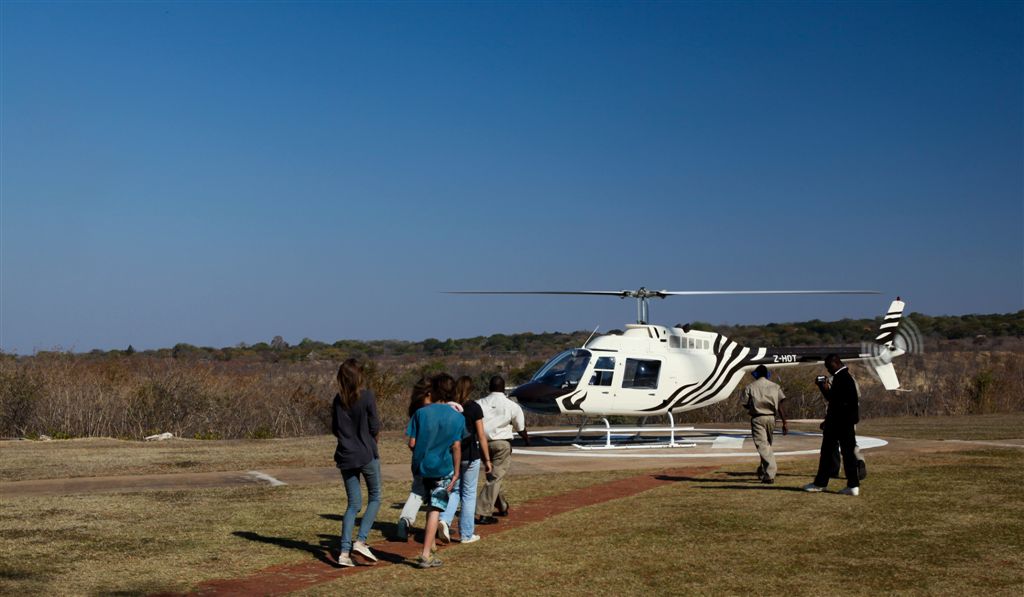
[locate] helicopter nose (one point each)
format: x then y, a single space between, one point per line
538 397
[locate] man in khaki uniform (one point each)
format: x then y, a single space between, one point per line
501 417
763 400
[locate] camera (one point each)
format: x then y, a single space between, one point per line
820 379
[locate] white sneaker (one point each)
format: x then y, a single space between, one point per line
442 532
362 549
345 560
811 487
850 491
472 539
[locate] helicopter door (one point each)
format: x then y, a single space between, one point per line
639 387
600 391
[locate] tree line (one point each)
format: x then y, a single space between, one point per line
934 330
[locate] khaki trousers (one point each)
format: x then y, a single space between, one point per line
761 428
501 461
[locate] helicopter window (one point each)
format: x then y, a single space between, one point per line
673 342
565 369
641 374
604 369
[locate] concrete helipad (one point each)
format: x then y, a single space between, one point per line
663 443
558 450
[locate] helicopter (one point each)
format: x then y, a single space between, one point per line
651 370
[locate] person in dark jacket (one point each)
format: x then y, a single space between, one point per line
841 417
356 424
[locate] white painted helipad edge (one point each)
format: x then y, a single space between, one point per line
863 442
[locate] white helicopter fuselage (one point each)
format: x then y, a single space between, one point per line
652 370
679 358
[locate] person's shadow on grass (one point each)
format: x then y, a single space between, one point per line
388 529
756 486
321 551
734 474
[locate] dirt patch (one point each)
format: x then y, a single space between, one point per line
280 580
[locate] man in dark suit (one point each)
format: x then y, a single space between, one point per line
842 415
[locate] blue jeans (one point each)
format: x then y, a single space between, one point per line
465 489
371 472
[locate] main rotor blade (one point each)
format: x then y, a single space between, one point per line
704 292
596 292
661 293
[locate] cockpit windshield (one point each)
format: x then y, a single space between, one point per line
565 370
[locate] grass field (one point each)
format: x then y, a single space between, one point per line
973 427
937 523
145 542
948 524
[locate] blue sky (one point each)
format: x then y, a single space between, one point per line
214 173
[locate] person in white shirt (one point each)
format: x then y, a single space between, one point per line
501 417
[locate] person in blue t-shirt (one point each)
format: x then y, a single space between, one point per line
435 438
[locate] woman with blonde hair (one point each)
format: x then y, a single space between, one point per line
356 424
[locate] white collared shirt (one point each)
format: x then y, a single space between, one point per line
501 416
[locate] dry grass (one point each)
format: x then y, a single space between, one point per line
942 523
159 541
966 427
950 523
963 427
99 457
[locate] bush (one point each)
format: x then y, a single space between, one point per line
20 393
149 392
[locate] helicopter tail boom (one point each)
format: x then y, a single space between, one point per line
879 354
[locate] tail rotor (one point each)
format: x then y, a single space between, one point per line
896 336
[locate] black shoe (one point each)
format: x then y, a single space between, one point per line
503 512
486 520
767 481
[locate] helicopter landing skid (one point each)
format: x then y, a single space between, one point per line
608 445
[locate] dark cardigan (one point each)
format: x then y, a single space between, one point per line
356 429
